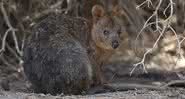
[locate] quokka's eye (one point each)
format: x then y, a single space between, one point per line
105 32
119 32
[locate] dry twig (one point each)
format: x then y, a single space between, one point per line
161 29
11 29
173 83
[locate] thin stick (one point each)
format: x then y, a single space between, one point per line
165 25
5 16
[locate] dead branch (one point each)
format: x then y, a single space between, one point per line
161 29
173 83
13 30
124 86
4 41
52 8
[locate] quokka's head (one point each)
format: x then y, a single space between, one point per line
106 28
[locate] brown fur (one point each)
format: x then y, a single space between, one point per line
103 42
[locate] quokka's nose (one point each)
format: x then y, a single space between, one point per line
115 44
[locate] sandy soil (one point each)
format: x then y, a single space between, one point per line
131 94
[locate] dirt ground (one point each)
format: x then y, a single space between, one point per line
138 86
131 94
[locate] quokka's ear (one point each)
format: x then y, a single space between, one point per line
97 12
118 10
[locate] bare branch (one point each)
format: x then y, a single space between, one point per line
4 41
5 16
52 8
149 2
173 82
161 30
